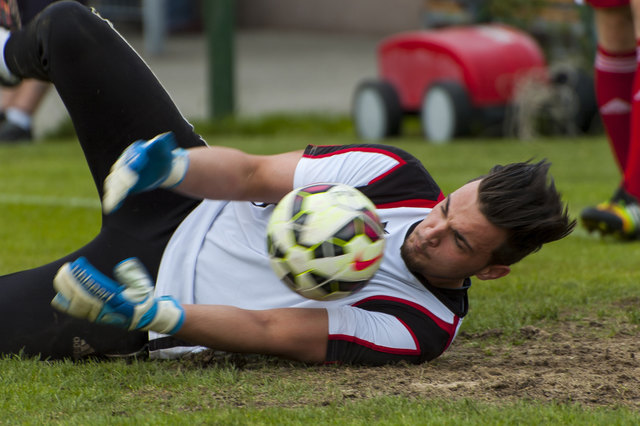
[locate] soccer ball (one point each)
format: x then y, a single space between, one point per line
325 240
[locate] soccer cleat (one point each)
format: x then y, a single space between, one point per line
619 216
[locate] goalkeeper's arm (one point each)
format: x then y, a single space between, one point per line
295 333
204 172
84 292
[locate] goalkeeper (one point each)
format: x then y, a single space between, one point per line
174 269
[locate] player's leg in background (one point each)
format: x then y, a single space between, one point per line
111 95
631 177
616 79
113 99
19 105
615 70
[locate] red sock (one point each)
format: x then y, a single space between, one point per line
632 168
614 80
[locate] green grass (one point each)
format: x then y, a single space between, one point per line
35 392
48 207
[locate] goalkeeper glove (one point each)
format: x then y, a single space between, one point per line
143 166
86 293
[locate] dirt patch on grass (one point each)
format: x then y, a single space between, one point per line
572 365
584 362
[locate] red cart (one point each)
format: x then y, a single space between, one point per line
452 77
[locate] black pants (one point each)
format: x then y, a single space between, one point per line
113 99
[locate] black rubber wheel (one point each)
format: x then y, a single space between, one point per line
585 104
376 110
446 112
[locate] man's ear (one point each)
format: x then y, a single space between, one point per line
493 272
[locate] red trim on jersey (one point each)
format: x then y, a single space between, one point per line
400 160
418 202
413 335
355 148
450 329
375 347
421 203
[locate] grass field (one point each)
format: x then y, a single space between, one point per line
555 342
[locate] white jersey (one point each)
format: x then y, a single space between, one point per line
218 255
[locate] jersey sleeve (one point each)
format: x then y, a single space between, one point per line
385 330
389 176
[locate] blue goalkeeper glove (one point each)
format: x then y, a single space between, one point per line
86 293
143 166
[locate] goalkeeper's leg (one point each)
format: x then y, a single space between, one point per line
112 97
28 323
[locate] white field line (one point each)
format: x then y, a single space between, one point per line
49 201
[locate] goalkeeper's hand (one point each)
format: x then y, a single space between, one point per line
143 166
84 292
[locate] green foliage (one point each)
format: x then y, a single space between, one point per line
520 13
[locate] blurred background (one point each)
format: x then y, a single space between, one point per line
304 56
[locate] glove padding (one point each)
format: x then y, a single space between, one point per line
143 166
84 292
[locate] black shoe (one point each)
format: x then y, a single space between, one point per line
12 133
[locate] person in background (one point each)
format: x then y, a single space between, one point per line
18 104
617 90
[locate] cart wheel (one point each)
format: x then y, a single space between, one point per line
446 111
376 110
585 104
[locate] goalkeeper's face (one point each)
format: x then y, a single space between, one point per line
454 241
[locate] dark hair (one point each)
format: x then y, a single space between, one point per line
522 199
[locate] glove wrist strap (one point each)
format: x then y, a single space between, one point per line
168 318
179 166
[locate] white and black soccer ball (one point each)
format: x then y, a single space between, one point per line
325 240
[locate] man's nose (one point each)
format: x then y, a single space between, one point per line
433 235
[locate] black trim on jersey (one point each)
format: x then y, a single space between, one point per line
455 299
410 181
430 338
